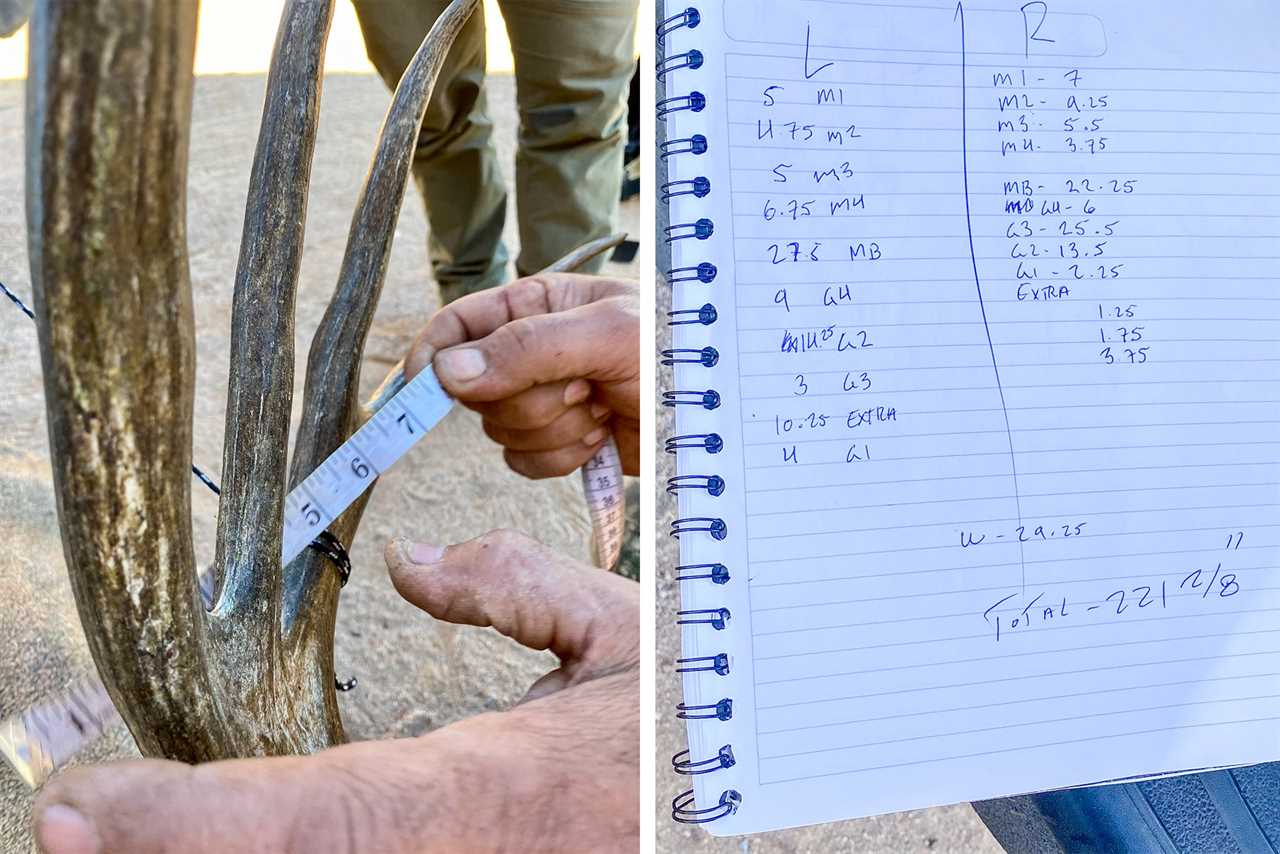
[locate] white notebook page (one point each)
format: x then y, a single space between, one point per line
1000 394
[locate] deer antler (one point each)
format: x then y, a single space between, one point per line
113 306
247 611
109 266
330 404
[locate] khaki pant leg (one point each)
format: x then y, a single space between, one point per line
574 60
455 164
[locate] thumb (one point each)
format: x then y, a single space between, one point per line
153 806
542 600
597 341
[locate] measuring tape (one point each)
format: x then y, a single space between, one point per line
41 739
399 421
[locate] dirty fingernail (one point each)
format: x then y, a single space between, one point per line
425 553
576 392
62 830
595 437
460 365
599 410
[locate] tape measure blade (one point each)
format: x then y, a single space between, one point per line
370 451
428 398
44 737
603 486
303 520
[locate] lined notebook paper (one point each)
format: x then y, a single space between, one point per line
995 337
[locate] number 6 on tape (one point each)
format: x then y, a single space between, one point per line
347 473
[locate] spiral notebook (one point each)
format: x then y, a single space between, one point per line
977 396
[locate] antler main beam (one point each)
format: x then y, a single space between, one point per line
106 209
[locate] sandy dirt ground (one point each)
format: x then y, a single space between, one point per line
415 674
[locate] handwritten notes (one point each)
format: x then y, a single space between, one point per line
1003 321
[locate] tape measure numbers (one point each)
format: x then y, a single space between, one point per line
343 477
602 486
400 421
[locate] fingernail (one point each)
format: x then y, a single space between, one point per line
599 410
417 360
595 437
62 830
460 365
425 553
576 392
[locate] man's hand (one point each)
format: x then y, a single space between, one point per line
551 363
559 772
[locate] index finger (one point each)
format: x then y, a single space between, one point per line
480 314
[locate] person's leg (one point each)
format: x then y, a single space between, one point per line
455 164
574 60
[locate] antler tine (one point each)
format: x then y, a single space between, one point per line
260 394
330 407
584 253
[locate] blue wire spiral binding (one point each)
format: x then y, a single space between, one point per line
681 807
697 187
718 664
682 762
684 191
695 144
709 442
690 59
694 102
688 18
709 399
716 618
700 525
704 272
707 357
716 573
705 315
718 711
700 229
712 483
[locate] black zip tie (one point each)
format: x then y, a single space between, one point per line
329 546
325 543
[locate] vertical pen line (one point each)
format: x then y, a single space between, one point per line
977 279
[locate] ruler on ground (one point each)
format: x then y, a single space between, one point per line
43 738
